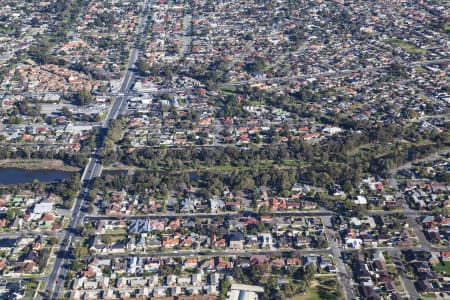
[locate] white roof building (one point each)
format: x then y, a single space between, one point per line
360 200
41 208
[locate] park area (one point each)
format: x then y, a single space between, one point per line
321 289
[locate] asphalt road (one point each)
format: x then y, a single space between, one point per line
92 170
423 241
210 215
315 213
55 284
207 253
121 100
335 74
30 233
120 104
330 74
408 284
342 273
410 164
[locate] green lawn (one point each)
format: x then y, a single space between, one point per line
411 49
29 294
447 26
225 168
228 89
363 149
325 290
122 231
292 163
443 267
312 294
263 164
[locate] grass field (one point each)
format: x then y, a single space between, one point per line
116 232
293 163
411 49
267 164
228 90
447 26
445 267
312 294
321 289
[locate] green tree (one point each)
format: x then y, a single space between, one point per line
66 112
348 187
52 241
411 114
107 239
93 195
238 274
289 289
257 65
80 251
83 97
143 67
224 286
310 271
12 213
15 120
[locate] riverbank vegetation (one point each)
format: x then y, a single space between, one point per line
38 164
